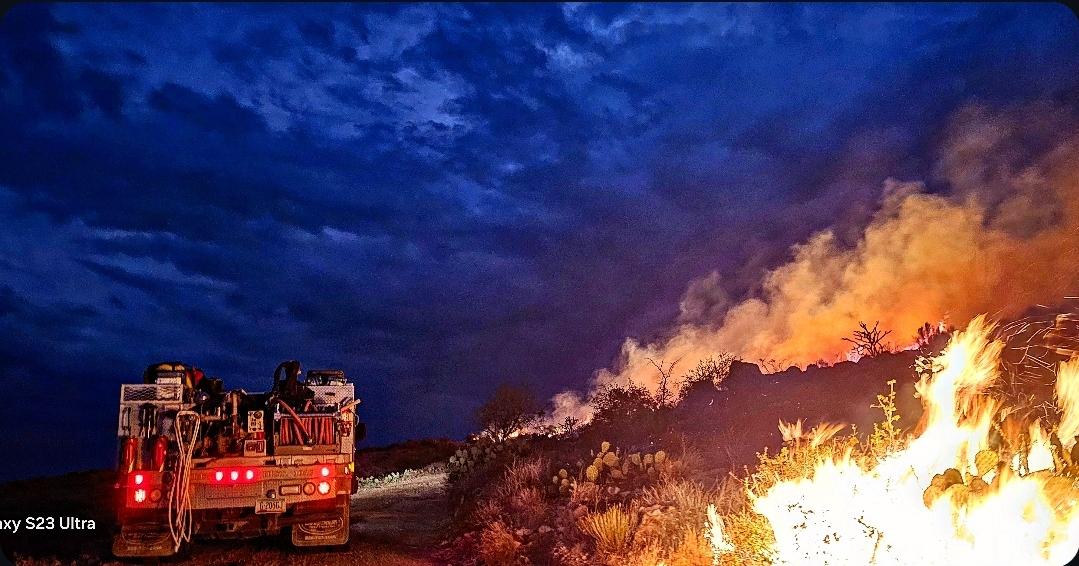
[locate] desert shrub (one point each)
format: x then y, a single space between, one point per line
711 370
610 530
752 538
887 436
798 459
648 555
497 545
681 494
621 404
514 494
525 473
731 496
671 510
585 493
627 415
693 550
571 555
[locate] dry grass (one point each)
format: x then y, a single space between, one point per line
497 545
752 538
586 493
794 461
683 495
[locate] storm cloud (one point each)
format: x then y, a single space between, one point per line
438 198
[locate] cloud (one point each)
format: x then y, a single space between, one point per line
440 198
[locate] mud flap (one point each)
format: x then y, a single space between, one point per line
329 532
142 542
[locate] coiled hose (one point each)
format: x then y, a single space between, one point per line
180 522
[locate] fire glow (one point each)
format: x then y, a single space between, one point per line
898 510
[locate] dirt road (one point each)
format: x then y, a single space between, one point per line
398 524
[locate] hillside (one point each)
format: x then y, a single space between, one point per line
731 424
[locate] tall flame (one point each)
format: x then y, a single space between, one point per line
1067 393
853 513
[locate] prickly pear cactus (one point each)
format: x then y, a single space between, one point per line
985 460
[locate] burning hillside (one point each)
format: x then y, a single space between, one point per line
972 480
995 230
950 447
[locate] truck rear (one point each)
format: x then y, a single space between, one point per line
196 459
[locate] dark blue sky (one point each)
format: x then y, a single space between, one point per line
434 197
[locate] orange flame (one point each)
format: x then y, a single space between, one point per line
846 513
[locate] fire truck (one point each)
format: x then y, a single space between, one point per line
197 459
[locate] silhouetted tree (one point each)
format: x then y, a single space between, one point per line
621 404
664 395
867 341
509 410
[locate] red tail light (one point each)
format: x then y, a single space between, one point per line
236 476
324 487
139 479
325 471
140 495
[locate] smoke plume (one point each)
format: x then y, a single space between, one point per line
998 233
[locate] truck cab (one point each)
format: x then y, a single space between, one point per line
196 459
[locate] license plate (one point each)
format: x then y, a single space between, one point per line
270 506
